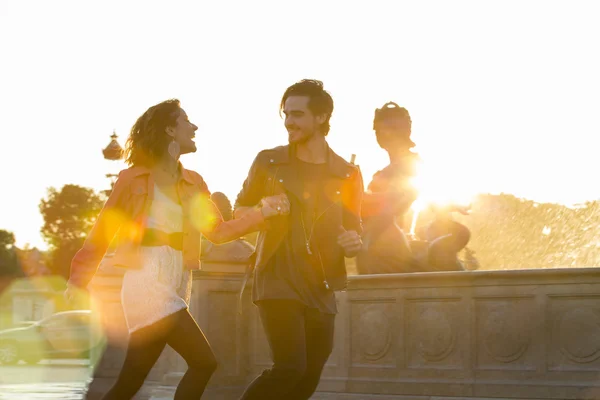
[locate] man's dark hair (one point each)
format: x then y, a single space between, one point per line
319 103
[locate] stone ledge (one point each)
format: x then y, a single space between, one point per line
476 278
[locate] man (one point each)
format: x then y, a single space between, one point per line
389 197
300 257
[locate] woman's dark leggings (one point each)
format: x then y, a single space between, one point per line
179 331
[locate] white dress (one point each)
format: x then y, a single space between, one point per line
161 286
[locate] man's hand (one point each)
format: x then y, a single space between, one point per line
350 242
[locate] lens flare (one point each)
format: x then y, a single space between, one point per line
438 187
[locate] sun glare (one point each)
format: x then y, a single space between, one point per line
439 185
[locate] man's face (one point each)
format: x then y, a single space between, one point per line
300 122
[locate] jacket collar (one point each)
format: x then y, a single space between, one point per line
336 164
185 174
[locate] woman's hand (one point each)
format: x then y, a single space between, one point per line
72 293
275 205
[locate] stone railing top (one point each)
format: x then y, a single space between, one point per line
476 278
437 279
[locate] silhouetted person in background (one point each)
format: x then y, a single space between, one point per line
223 204
389 196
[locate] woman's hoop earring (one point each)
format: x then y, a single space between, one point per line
174 149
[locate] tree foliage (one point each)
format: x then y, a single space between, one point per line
68 215
9 264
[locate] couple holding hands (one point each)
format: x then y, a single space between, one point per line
304 200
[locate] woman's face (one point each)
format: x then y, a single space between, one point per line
184 133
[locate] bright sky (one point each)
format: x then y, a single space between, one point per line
504 95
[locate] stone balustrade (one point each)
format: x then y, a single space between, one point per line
523 334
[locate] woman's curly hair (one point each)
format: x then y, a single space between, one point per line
147 142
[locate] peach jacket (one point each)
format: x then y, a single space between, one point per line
122 221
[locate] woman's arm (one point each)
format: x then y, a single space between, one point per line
218 231
87 259
209 221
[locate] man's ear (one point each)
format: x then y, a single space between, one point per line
321 118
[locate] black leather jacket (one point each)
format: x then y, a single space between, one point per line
272 173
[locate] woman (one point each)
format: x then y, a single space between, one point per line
156 214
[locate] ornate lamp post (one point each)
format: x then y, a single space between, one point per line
112 152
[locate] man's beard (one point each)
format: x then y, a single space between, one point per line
304 137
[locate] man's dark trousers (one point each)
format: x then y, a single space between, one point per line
301 340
